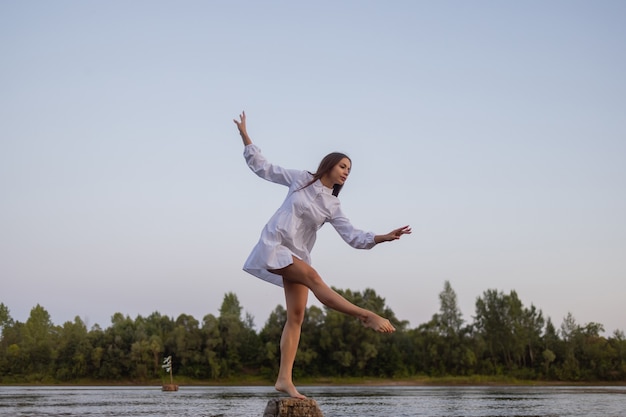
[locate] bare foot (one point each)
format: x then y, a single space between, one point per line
288 388
380 324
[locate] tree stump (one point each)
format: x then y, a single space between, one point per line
292 407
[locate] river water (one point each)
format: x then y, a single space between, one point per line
334 401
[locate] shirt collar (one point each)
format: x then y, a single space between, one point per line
322 188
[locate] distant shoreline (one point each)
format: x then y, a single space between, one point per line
433 382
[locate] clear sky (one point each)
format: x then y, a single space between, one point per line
496 129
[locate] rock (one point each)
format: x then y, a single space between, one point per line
292 407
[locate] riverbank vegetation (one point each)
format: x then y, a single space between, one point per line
506 342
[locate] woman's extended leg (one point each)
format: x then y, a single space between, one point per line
302 273
296 296
298 278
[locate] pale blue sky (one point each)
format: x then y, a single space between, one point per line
495 129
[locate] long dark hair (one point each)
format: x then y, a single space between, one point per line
326 165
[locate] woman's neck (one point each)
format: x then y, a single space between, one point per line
326 182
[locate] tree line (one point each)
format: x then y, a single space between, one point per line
505 338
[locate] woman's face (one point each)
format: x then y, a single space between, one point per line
339 173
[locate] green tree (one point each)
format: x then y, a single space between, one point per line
270 341
159 325
251 351
212 343
346 346
231 329
594 352
528 329
96 337
493 324
447 348
450 319
569 369
7 338
307 359
511 332
117 344
159 329
553 348
141 355
73 351
38 343
189 346
618 368
5 318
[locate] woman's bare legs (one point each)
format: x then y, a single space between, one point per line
296 296
298 278
302 273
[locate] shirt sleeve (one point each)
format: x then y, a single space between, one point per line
264 169
354 237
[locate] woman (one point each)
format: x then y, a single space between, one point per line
282 255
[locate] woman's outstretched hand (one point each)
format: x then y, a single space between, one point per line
393 235
241 125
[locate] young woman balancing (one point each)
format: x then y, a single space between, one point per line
282 255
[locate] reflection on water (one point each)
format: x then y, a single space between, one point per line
334 401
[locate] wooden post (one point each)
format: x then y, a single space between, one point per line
171 386
167 364
292 407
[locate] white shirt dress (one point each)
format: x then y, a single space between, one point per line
291 231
